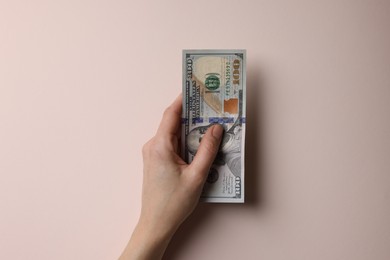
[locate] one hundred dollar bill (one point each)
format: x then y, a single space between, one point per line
214 92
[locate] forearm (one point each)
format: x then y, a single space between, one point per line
146 243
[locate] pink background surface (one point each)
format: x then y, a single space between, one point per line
83 85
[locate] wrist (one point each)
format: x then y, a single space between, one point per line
155 232
147 242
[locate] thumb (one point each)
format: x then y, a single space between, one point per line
207 151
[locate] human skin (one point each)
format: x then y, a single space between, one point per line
171 187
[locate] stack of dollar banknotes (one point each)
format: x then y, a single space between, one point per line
214 92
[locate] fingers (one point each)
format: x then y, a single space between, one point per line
207 151
170 123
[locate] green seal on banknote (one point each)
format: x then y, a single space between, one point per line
212 81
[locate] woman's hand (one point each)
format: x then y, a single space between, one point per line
171 187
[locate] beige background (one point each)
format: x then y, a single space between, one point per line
83 85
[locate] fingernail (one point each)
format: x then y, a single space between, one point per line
217 131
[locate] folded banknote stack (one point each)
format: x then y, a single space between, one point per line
214 92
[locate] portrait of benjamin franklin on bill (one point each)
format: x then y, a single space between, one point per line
229 151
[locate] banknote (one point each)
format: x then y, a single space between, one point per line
214 92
